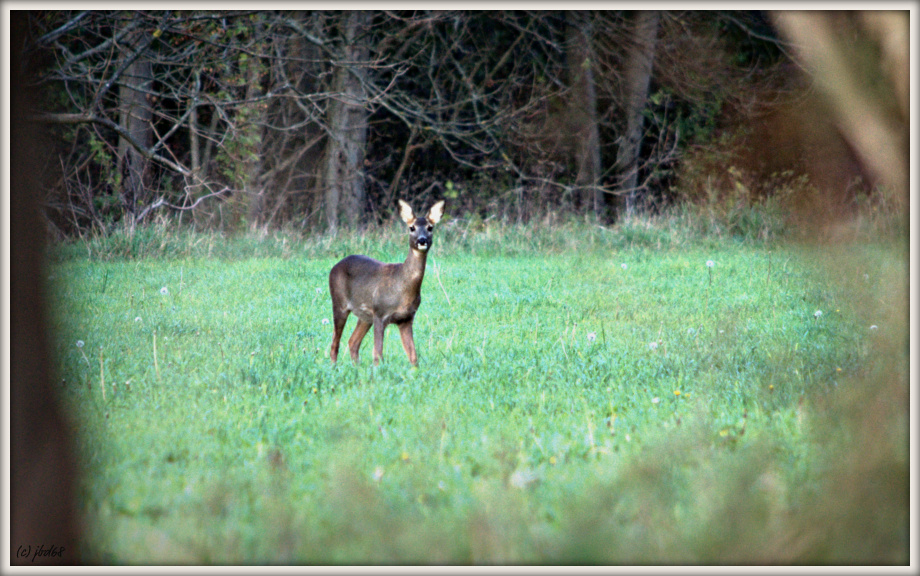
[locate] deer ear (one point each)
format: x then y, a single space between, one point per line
405 212
436 211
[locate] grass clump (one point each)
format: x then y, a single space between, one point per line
600 397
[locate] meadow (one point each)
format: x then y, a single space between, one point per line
651 393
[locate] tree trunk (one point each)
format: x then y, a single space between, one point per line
345 151
589 196
637 75
255 119
135 116
194 183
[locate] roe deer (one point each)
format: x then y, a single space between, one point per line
381 294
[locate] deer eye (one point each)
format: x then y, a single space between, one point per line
411 228
430 227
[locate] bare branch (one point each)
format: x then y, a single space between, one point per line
62 29
120 130
162 202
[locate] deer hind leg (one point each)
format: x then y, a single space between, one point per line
338 321
354 343
408 342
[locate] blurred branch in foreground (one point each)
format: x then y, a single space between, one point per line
860 63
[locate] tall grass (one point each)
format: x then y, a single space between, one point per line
740 221
586 394
164 239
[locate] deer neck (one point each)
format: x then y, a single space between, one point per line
413 269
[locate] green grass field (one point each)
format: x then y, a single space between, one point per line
582 396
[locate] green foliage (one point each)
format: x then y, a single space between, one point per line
102 155
450 191
585 395
694 120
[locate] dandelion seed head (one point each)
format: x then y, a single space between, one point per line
319 290
818 313
592 336
653 345
325 321
873 327
80 344
656 400
137 318
378 473
710 263
164 291
623 265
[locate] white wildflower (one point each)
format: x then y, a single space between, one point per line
523 478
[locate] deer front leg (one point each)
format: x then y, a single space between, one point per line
354 343
379 327
408 342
